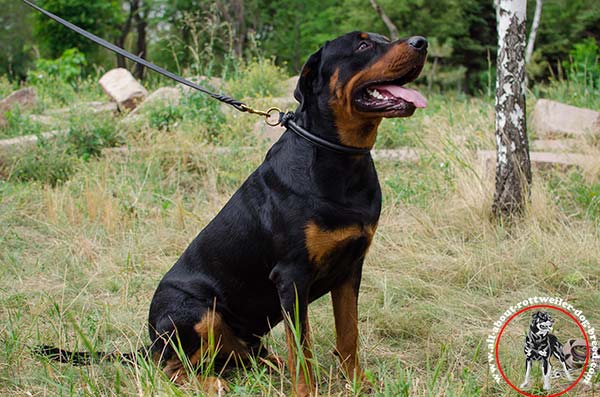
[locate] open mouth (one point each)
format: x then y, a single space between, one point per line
390 98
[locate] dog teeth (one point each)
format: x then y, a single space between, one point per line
375 94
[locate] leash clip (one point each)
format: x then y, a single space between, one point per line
268 114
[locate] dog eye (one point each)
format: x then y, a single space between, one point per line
363 45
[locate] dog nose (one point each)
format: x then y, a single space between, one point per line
419 43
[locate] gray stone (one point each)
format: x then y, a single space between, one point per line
23 98
92 107
43 119
163 95
123 88
552 118
543 158
9 146
557 145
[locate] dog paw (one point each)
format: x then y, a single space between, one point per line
273 360
547 386
524 385
215 387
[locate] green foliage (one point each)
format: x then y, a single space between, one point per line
209 37
582 85
15 39
584 66
202 110
54 160
576 195
18 124
291 30
55 92
68 67
99 17
6 86
563 23
257 79
416 184
88 135
49 163
199 40
164 118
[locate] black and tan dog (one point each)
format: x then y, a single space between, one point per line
300 225
541 345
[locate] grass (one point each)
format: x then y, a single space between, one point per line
81 257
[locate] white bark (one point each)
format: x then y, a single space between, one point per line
534 28
513 169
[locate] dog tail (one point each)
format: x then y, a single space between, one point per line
87 358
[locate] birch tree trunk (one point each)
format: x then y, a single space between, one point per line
513 167
534 28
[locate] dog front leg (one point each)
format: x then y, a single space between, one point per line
293 295
527 373
546 370
561 357
345 310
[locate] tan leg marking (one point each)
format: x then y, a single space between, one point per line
304 384
345 310
217 338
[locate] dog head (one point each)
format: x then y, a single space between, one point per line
357 79
541 323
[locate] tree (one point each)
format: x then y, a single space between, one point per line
132 6
98 17
141 23
233 13
513 167
534 28
15 38
394 35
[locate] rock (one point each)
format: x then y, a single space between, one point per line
9 146
543 158
558 145
43 119
93 107
102 107
123 88
24 98
551 118
163 95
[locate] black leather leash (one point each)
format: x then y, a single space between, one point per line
285 119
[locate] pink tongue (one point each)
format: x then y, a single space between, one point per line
407 94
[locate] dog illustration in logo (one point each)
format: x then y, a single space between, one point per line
541 345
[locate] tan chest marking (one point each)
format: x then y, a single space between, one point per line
320 242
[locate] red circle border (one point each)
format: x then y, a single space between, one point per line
587 344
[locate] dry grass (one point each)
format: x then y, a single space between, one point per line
81 260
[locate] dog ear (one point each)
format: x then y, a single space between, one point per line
308 77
